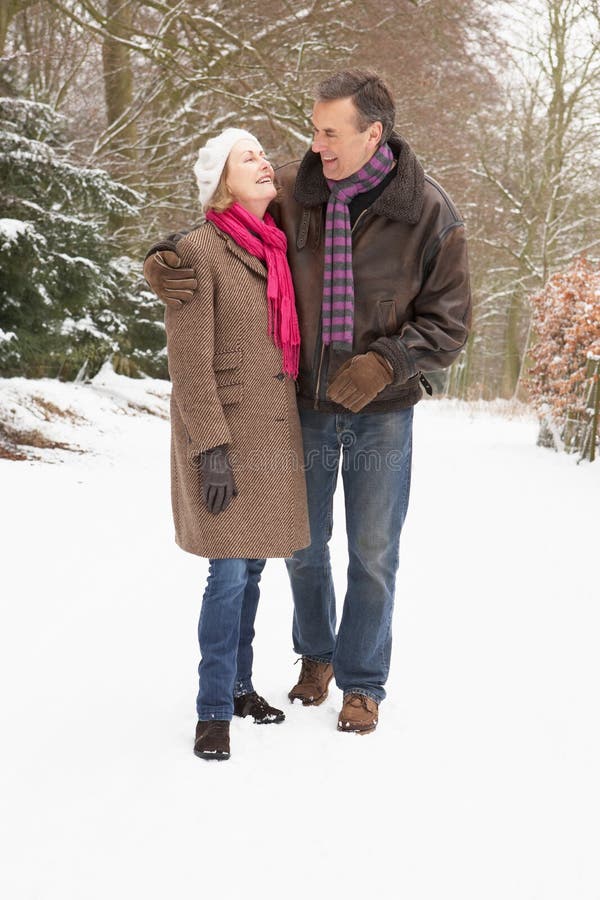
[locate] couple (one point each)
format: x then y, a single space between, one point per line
304 334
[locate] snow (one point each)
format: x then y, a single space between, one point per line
80 261
83 324
11 229
6 336
482 779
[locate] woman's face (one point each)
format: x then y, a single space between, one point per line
250 176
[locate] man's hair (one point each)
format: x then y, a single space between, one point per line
371 95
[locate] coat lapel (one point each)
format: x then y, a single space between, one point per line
247 258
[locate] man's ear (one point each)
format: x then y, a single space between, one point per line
375 132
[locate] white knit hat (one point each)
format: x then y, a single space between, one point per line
212 158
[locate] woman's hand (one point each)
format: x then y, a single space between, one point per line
218 483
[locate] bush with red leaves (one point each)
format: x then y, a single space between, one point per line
563 380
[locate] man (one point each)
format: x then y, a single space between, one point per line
379 262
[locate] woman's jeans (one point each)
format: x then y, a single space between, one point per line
375 449
225 634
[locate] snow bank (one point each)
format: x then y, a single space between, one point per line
82 416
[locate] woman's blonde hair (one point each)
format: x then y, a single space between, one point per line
222 198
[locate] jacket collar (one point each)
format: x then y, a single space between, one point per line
402 200
246 257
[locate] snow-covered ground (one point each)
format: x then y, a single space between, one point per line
482 781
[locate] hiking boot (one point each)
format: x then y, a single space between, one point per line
252 705
212 739
313 684
359 714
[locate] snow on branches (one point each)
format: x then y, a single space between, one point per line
68 297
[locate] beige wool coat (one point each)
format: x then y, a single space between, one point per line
228 388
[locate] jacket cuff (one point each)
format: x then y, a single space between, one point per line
394 351
218 436
170 243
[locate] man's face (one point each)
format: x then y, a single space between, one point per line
342 147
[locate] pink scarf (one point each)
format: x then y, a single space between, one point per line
263 239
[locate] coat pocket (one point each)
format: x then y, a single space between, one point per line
227 366
229 393
386 311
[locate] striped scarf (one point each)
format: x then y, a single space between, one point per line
338 283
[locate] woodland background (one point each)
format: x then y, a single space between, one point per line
105 104
488 746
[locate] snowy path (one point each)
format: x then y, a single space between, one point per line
482 782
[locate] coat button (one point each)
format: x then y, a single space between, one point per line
280 377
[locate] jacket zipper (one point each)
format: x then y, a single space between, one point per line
316 403
426 384
358 220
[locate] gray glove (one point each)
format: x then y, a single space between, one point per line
218 483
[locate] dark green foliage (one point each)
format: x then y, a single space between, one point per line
67 296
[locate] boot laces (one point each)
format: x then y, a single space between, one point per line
259 704
309 670
357 700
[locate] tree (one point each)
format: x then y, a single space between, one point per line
539 164
66 297
194 68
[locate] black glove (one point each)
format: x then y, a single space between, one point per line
218 483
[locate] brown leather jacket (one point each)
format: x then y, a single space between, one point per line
411 278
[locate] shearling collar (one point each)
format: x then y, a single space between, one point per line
402 200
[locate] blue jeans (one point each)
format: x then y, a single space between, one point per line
375 449
225 634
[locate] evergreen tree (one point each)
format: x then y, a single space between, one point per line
67 298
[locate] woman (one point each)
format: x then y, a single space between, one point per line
238 489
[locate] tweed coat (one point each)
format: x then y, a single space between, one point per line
228 388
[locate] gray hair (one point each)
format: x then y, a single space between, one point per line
370 94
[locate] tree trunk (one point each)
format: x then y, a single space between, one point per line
8 10
118 86
118 95
4 20
512 354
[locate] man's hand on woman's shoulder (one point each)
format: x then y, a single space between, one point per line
172 284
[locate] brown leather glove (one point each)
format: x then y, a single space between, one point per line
170 283
359 380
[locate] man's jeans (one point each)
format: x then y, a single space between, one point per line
225 633
376 462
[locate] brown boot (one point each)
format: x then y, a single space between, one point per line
313 684
212 739
359 714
